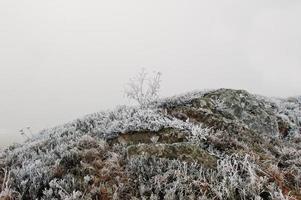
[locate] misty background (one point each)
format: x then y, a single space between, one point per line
62 59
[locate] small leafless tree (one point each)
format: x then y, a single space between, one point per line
144 89
26 132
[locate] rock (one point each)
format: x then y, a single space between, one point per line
231 110
183 151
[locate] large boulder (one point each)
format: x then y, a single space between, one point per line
232 110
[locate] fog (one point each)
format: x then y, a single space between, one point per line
61 59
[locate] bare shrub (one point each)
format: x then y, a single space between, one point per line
144 89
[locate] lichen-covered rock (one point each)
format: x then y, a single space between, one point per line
231 110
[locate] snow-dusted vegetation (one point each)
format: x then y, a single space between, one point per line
219 144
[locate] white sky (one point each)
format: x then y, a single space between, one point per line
61 59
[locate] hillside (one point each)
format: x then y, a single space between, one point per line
219 144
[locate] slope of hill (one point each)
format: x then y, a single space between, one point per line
219 144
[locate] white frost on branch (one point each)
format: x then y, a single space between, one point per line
144 89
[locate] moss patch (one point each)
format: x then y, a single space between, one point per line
183 151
